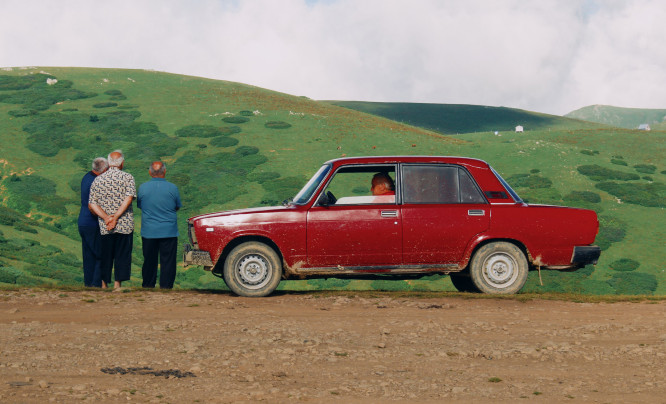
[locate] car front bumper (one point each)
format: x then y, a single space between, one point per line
196 257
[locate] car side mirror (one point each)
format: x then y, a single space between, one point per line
323 200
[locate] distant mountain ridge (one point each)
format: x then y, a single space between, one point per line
453 119
629 118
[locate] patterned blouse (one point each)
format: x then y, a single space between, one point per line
108 191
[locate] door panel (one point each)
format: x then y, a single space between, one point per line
366 235
436 234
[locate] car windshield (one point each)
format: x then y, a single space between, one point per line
513 193
305 194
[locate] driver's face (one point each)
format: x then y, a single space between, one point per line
378 187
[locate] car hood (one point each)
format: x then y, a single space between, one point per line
248 211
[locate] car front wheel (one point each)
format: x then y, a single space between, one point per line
499 268
252 269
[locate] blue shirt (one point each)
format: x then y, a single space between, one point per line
158 200
87 218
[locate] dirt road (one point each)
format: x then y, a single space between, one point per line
201 347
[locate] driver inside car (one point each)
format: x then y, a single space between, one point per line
383 188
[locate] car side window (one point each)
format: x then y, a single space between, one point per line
438 184
354 185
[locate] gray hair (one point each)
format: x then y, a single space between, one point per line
117 162
100 164
159 172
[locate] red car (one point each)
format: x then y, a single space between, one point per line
429 215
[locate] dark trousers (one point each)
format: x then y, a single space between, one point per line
117 251
165 248
91 249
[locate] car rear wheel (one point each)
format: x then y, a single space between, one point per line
252 269
499 268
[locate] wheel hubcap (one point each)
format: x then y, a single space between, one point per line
499 270
253 271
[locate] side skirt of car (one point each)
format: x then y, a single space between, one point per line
373 271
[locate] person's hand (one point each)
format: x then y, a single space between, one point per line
111 224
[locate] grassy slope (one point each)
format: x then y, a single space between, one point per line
628 118
319 132
458 118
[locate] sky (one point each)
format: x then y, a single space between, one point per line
551 56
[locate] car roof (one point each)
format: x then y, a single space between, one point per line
408 159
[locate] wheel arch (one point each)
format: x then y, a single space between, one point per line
481 243
219 265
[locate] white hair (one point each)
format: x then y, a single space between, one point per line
117 162
100 164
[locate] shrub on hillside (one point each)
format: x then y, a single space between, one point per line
24 227
206 131
598 173
648 195
105 105
8 216
645 168
246 113
113 92
21 82
633 283
18 113
223 141
624 265
611 230
28 186
282 188
277 125
236 119
529 181
589 152
9 274
583 196
246 150
619 162
38 95
541 195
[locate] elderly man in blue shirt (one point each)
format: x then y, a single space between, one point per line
159 200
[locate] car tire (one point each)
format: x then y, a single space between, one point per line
252 269
499 268
463 282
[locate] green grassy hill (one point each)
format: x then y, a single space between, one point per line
629 118
458 118
229 145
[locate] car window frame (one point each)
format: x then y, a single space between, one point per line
396 180
459 167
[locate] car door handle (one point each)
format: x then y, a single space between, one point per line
476 212
389 213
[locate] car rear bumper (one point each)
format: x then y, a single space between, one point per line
196 257
585 255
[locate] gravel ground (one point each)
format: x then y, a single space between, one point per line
175 347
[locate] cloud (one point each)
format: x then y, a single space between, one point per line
548 56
